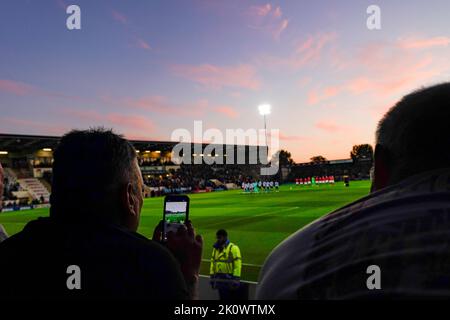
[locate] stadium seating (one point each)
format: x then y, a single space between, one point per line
35 188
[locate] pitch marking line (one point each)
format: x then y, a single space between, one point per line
249 217
246 281
244 264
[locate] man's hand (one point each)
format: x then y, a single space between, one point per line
187 249
157 233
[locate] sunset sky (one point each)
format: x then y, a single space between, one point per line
146 68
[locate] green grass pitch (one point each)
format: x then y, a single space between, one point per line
255 222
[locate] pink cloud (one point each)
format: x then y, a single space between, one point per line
311 49
82 114
137 41
328 126
281 27
306 53
393 73
338 60
135 122
268 19
417 43
315 96
119 17
157 104
331 91
160 104
23 89
383 70
390 58
359 85
262 10
399 79
31 126
277 13
142 44
230 112
15 87
213 76
378 110
134 125
284 137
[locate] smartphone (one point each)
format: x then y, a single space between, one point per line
176 213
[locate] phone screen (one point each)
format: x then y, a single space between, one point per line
175 212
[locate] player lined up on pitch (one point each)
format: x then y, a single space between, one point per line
314 180
260 186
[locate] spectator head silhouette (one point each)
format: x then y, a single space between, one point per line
1 186
96 179
413 136
222 236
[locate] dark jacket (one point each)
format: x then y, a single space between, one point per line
114 263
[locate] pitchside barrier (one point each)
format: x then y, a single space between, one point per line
21 208
207 293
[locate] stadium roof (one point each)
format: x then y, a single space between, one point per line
20 143
15 142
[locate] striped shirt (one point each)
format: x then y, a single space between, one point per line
402 229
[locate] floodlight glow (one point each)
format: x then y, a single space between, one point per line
47 149
264 109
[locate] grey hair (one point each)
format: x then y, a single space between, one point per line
416 132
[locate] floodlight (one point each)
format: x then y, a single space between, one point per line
264 109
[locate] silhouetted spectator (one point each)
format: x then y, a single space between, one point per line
402 227
95 209
3 234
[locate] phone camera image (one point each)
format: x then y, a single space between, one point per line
175 213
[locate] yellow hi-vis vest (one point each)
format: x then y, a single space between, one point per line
228 261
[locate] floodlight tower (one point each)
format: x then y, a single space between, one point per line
264 109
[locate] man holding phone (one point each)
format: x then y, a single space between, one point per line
175 231
96 204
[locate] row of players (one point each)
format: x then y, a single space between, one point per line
314 180
260 185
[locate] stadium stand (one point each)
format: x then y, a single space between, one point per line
28 160
35 188
356 170
28 169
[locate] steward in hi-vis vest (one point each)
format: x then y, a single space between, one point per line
226 265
